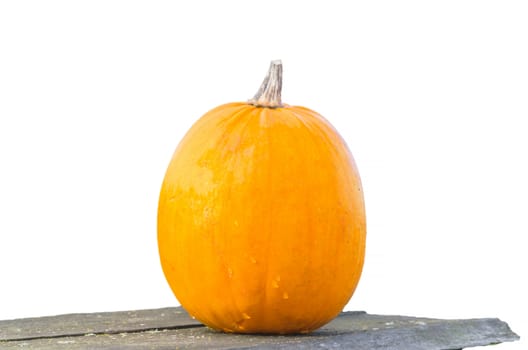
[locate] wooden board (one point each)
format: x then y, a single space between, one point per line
172 328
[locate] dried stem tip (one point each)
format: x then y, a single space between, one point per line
269 94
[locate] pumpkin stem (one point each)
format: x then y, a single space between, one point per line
269 94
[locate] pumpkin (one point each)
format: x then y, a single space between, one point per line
261 219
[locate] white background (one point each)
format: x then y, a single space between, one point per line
432 98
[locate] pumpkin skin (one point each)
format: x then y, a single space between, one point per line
261 220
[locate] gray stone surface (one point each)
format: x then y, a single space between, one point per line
93 323
171 328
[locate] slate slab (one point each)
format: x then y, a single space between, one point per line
172 328
95 323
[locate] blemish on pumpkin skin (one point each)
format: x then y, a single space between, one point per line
239 325
275 282
253 260
285 295
229 272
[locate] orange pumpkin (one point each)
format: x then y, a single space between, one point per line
261 219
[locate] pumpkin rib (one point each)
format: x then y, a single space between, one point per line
311 135
239 121
308 208
234 111
269 165
286 118
269 116
245 120
320 131
308 203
